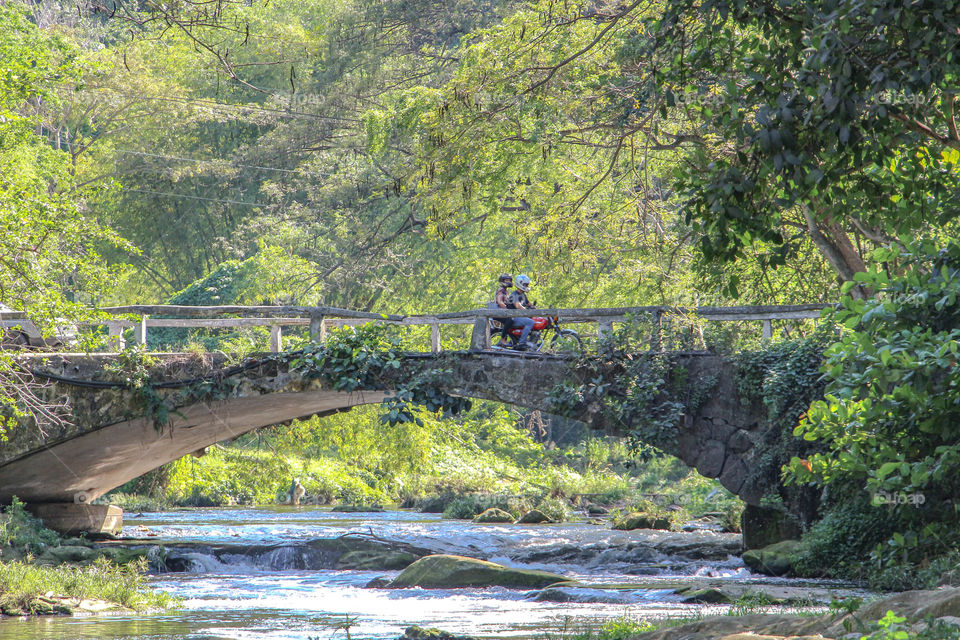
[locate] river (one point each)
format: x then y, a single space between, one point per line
246 595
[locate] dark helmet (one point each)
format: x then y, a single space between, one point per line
505 279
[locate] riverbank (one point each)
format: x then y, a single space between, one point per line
42 573
911 615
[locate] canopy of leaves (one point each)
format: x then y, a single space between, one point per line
890 417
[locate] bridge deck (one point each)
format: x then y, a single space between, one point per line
319 319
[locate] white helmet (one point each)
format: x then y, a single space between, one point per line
522 282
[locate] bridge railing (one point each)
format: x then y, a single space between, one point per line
318 319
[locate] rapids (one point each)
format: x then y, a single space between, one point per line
246 594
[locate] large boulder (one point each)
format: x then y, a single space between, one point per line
494 515
637 520
451 572
772 560
763 527
534 516
420 633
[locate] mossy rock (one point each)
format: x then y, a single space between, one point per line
534 516
376 560
124 555
358 508
451 572
494 515
773 560
419 633
74 554
709 595
637 520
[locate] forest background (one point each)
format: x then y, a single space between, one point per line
398 156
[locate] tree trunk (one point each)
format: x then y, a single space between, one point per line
835 245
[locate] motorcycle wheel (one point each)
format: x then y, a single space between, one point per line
567 341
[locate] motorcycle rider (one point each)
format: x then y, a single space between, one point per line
502 300
518 300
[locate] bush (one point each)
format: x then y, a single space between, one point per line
21 584
22 533
470 506
835 546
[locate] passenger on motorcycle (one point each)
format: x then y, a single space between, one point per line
518 300
502 300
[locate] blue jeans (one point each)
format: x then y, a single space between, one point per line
526 325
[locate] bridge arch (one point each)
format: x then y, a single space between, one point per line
110 441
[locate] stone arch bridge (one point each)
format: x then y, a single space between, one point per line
108 440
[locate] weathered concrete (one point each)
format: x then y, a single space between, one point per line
109 441
72 518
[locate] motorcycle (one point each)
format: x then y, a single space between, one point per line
560 340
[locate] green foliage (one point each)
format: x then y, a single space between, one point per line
23 585
22 533
894 627
784 377
623 628
835 545
49 244
361 358
226 477
837 127
639 390
888 423
469 506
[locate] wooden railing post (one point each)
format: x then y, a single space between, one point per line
480 339
276 339
318 331
140 331
767 329
435 336
115 336
604 328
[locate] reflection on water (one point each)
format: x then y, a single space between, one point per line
239 601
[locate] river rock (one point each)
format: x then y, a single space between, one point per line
419 633
357 508
637 520
494 515
709 595
377 560
583 595
700 545
534 516
762 527
915 604
772 560
450 572
67 554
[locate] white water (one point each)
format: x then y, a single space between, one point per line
237 598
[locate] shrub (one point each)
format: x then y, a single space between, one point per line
24 533
836 545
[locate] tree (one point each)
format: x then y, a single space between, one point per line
553 119
49 259
840 119
780 126
890 419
